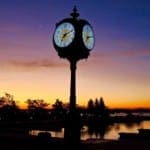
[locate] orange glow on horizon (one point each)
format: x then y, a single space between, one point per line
145 104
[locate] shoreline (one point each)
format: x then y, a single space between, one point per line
58 144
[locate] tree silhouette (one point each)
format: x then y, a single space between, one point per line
103 109
37 109
36 103
97 108
102 104
58 110
90 107
98 117
8 108
58 104
7 100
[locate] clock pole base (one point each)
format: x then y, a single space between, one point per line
72 129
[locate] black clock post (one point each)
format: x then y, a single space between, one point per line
73 39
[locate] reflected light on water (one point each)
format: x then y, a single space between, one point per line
58 134
112 131
145 125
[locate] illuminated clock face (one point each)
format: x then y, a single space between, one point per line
88 36
64 34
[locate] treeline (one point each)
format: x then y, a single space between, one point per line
37 109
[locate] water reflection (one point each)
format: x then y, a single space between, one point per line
59 134
98 128
101 130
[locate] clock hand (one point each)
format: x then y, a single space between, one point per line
68 32
65 34
88 37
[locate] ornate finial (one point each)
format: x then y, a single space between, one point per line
75 14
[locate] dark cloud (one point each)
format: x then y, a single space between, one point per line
34 64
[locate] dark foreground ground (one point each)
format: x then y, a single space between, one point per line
36 143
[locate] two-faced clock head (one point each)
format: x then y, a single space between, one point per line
64 34
88 36
73 37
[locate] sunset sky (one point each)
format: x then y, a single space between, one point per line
118 68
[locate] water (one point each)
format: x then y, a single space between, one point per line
109 132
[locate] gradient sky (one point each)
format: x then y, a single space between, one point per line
118 68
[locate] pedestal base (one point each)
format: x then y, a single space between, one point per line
72 129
